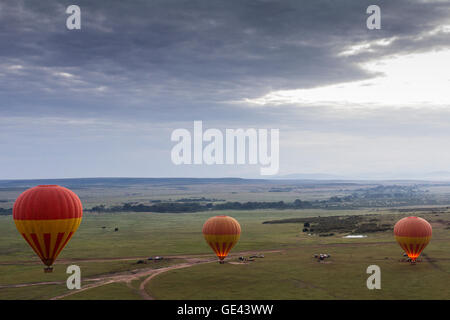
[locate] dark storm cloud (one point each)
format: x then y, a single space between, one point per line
165 57
103 101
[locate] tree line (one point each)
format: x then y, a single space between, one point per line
5 212
180 207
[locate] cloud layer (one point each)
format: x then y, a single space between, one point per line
104 99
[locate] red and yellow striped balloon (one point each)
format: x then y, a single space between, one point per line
413 234
47 216
221 233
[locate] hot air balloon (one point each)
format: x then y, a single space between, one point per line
412 234
47 216
221 233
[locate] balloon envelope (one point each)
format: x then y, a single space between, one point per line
412 234
221 233
47 216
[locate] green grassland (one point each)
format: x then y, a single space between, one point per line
289 274
38 292
295 274
147 234
33 272
112 291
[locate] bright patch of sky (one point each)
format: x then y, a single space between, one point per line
411 80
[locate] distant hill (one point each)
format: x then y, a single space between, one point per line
120 182
80 183
312 176
369 176
293 179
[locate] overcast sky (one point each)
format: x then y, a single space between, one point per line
102 101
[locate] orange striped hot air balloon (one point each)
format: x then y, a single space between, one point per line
221 233
47 217
412 234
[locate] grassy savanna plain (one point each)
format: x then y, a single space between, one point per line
109 267
291 273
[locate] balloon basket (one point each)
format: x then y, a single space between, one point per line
221 262
48 270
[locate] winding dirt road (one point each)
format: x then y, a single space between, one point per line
144 294
128 276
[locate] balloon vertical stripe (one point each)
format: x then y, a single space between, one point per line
37 244
47 239
64 244
57 243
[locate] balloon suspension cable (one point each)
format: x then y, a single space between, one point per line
48 269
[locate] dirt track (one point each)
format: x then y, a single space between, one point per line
128 276
67 261
151 273
144 294
135 275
